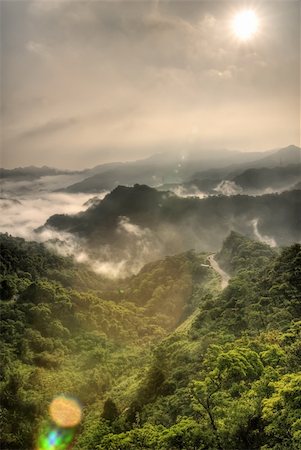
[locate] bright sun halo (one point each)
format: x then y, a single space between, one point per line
245 24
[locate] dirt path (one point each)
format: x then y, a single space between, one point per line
184 326
215 266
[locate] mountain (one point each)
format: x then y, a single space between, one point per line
133 225
31 172
257 179
151 171
164 169
277 170
282 157
254 181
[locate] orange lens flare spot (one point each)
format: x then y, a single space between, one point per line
65 411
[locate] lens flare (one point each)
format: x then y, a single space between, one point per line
55 438
65 412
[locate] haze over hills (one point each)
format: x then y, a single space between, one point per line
32 172
134 225
160 169
257 179
165 169
284 156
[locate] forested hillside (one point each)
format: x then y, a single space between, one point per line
66 329
139 223
161 360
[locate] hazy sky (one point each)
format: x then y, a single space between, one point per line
85 82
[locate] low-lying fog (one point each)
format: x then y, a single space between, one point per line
12 187
22 215
27 205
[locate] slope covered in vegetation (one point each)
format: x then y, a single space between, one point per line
229 381
163 360
65 329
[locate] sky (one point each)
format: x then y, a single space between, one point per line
87 82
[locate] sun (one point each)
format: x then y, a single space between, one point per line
245 24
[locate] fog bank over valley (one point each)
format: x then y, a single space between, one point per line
179 205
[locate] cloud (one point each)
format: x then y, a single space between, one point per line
262 238
111 269
38 49
43 7
28 204
137 246
49 127
226 74
132 229
192 191
227 187
13 188
120 80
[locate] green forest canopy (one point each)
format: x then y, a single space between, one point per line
162 360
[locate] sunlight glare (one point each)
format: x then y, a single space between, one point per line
245 24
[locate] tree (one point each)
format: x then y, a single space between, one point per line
110 410
283 413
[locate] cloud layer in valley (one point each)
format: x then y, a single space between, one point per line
22 215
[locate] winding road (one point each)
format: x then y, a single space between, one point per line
215 266
184 326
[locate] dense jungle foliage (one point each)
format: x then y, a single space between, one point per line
163 360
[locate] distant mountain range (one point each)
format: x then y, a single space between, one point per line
282 157
161 170
273 178
204 169
31 172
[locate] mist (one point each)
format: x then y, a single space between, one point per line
186 192
13 187
23 216
262 238
227 187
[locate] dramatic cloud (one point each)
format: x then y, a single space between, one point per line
106 80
